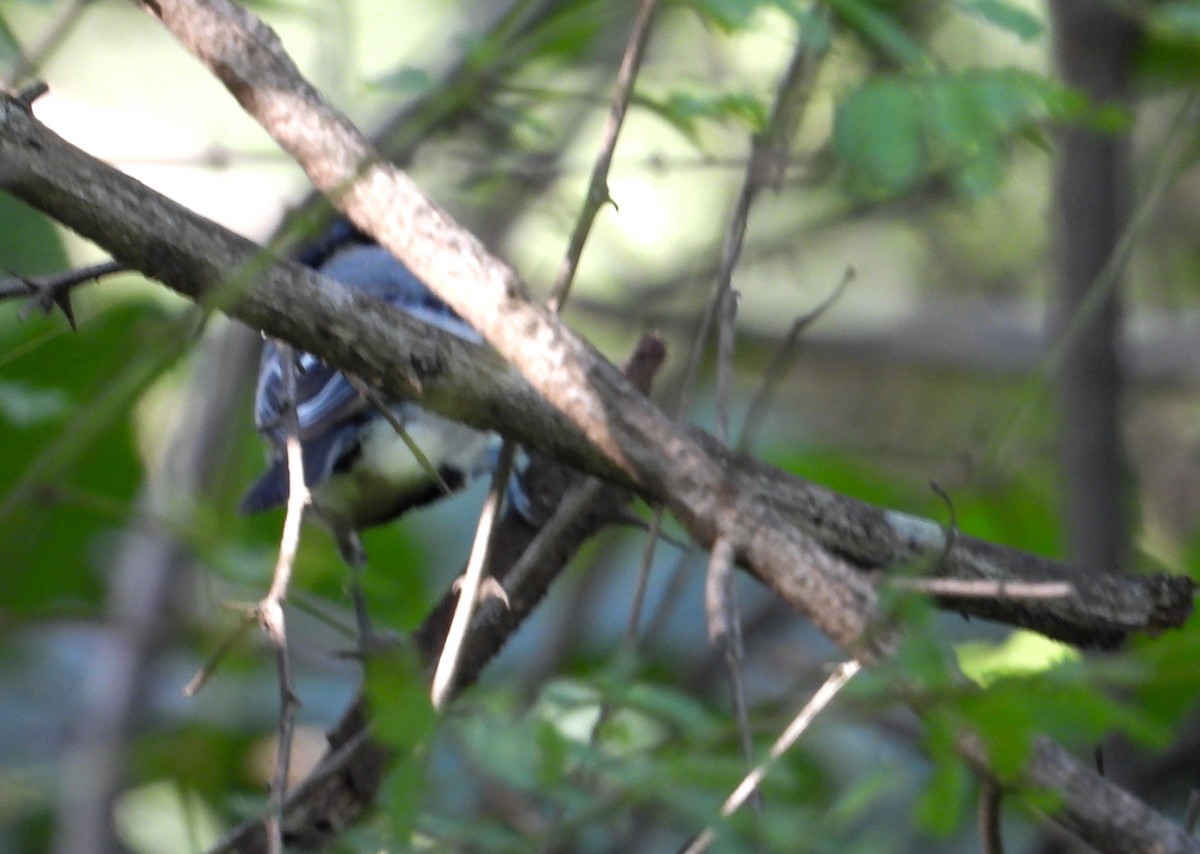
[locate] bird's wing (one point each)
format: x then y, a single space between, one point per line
329 409
324 397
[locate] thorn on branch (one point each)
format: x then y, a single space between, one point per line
951 525
49 292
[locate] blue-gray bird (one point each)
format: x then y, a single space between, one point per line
359 470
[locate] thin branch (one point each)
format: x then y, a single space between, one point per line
634 620
270 617
773 527
472 582
791 734
990 797
597 196
725 632
721 607
29 62
782 362
957 587
383 409
298 496
270 609
597 193
201 677
50 292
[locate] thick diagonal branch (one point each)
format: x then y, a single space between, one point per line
808 544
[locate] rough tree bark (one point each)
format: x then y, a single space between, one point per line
560 396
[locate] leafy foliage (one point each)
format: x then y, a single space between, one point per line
894 133
610 757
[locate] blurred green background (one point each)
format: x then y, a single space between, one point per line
924 163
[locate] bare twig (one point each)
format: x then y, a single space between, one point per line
630 640
724 619
623 435
782 362
270 609
990 797
382 407
60 29
472 582
725 633
50 292
597 194
790 735
957 587
200 679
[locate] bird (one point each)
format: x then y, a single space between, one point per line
360 471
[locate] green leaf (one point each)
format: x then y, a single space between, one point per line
1171 680
673 708
1009 16
406 80
1004 719
893 133
884 32
1177 20
944 800
727 15
564 35
685 111
1167 61
64 488
404 717
1022 653
878 132
29 241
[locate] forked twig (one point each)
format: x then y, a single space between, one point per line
50 292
